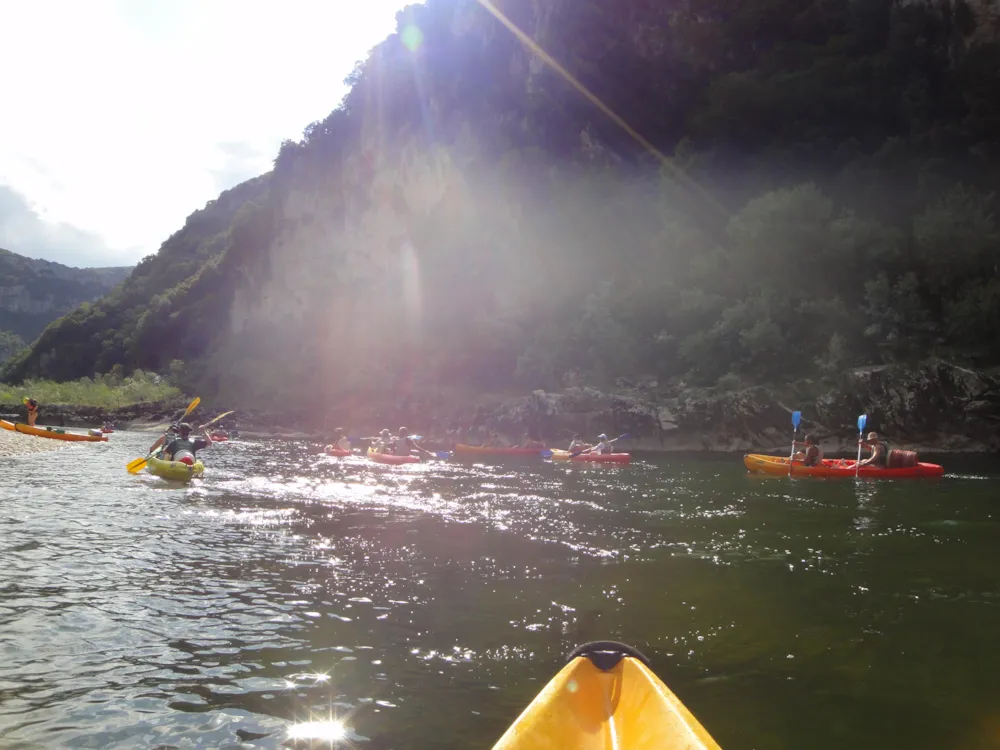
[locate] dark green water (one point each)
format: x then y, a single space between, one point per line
424 606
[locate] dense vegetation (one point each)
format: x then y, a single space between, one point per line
33 293
109 391
829 200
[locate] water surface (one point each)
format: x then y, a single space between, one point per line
424 606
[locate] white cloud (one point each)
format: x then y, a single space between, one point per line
120 118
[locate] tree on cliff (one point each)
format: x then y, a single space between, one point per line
466 216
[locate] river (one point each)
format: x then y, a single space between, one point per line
424 606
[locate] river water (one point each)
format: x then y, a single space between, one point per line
424 606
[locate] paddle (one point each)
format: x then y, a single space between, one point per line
442 455
221 416
796 419
134 467
861 431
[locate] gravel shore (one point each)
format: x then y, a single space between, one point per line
18 444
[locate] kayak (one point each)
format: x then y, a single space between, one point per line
606 697
56 433
331 451
835 467
107 430
603 458
219 438
177 471
488 451
389 458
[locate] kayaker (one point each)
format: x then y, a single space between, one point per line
182 448
880 451
531 442
577 444
812 455
168 435
340 440
404 444
32 407
603 446
493 441
383 442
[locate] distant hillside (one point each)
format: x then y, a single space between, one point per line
33 292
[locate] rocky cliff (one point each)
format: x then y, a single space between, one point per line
523 196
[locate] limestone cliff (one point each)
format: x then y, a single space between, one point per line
529 194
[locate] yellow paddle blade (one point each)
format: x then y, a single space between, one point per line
192 407
221 416
134 467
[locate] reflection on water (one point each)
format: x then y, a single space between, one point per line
293 598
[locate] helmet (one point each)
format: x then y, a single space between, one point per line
185 428
385 432
602 436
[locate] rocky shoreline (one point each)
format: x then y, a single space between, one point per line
936 407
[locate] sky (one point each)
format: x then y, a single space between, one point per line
121 117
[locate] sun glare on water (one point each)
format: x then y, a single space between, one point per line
322 731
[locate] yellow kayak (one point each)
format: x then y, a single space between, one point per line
606 697
177 471
57 433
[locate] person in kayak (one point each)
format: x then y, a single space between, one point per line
182 448
32 407
340 440
383 443
531 442
812 455
879 458
494 441
577 444
603 446
404 444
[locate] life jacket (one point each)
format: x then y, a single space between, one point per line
883 462
185 457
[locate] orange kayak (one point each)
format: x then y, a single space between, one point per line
598 458
835 467
606 698
389 458
56 433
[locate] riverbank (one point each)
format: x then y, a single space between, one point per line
936 407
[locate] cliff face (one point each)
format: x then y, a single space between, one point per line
469 218
33 292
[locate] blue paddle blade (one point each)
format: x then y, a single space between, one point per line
861 422
546 454
796 419
443 455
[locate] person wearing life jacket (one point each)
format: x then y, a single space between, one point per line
603 446
168 435
403 444
812 455
340 440
577 444
531 442
879 458
383 442
32 407
183 448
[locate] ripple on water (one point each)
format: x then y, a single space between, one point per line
290 597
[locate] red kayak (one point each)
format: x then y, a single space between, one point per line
389 458
833 467
485 450
331 451
220 438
